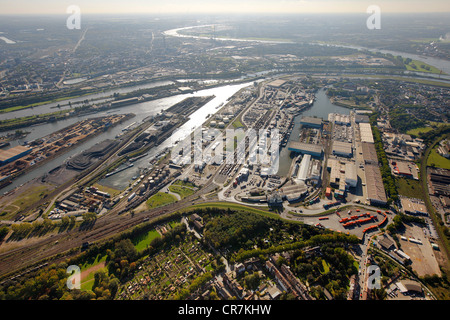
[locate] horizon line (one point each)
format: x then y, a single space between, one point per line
223 13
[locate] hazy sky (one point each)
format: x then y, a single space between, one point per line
220 6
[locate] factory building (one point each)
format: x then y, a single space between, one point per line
351 177
365 131
361 118
314 150
311 122
294 193
440 181
12 154
342 149
304 168
342 175
340 119
375 188
335 171
309 170
369 153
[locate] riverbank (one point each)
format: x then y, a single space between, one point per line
33 164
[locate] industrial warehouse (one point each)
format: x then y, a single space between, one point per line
12 154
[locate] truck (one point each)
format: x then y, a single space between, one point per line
331 204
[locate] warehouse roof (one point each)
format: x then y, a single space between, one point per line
12 152
311 120
350 171
361 118
342 147
375 187
365 131
277 83
369 153
305 147
304 167
409 285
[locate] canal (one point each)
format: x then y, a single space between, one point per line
321 108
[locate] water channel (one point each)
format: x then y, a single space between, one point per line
321 108
142 111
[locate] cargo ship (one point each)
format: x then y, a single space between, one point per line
119 170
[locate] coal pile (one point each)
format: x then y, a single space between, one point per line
83 160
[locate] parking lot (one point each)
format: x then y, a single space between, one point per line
423 256
332 221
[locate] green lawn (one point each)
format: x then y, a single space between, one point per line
184 183
144 240
24 200
181 190
420 66
237 124
438 160
160 199
113 192
237 207
326 267
416 131
409 188
88 282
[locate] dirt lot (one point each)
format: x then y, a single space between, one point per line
17 200
423 256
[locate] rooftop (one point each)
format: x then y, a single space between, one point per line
12 152
342 147
375 187
305 147
369 152
365 131
311 120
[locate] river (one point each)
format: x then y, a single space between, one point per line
52 106
441 64
142 111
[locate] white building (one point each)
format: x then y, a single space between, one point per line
351 176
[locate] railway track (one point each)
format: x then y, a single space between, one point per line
57 247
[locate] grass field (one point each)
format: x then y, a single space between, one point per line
111 191
142 242
87 281
420 66
415 80
237 207
184 183
326 267
24 200
438 160
416 131
160 199
237 124
409 188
